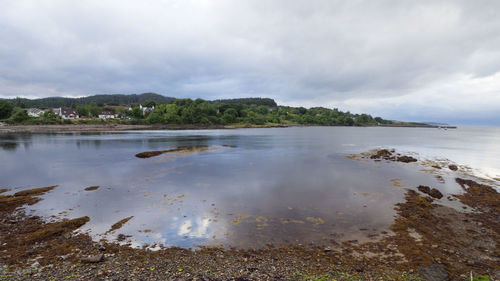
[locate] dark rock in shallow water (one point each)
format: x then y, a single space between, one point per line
424 189
406 159
435 193
430 191
434 272
149 154
383 153
192 149
90 188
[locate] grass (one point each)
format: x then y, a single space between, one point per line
481 278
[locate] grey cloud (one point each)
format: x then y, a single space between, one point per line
299 52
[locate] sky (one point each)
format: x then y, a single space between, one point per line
402 60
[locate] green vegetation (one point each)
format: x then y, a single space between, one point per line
481 278
19 115
5 109
235 112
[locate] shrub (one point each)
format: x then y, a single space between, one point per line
5 109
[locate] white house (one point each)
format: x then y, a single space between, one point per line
106 115
66 113
146 109
57 111
35 112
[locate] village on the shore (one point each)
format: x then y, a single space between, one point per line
71 113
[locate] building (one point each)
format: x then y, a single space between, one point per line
57 111
106 115
35 112
66 113
146 109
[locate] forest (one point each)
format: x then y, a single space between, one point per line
156 109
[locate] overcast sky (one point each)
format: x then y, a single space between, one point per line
406 60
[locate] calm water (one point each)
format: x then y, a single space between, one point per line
253 187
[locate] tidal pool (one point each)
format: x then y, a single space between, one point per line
246 188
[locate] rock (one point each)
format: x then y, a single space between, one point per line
327 249
65 257
382 153
453 167
93 258
406 159
435 193
431 191
424 189
434 272
27 271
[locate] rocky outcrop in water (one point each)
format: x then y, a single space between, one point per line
430 191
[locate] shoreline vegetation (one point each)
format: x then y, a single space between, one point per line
152 111
429 241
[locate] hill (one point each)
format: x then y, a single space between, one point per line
100 100
120 99
249 101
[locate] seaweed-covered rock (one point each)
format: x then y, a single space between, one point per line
382 153
435 193
430 191
406 159
90 188
424 189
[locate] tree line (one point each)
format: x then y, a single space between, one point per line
251 111
120 99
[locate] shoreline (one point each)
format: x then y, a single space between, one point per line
126 127
118 127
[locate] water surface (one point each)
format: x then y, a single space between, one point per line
252 187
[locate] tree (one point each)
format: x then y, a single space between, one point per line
20 115
155 117
19 103
94 109
262 109
83 111
149 103
136 112
229 116
5 109
363 119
